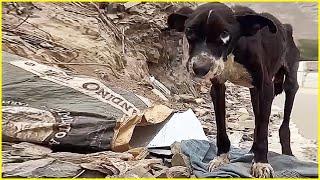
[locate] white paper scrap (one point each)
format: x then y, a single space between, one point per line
181 126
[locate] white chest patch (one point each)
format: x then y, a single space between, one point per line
235 73
225 39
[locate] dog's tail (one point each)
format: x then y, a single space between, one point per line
289 29
294 52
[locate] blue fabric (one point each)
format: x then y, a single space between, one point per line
201 152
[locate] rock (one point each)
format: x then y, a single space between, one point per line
178 172
29 149
247 137
247 124
112 16
150 11
234 126
186 98
22 152
243 117
175 148
158 167
176 97
109 167
24 169
199 100
201 112
190 99
204 89
207 106
136 9
84 158
145 162
129 5
58 169
207 127
276 111
139 153
243 111
161 173
180 159
139 172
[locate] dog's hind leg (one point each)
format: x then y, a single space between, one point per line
290 87
223 143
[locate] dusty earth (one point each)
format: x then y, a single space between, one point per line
123 44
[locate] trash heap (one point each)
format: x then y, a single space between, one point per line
101 90
49 117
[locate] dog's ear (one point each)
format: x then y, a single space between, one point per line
177 19
251 23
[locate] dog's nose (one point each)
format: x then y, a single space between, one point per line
200 69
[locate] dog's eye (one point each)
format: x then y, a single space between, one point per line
190 34
188 30
225 37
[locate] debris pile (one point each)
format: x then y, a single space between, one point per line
31 160
125 46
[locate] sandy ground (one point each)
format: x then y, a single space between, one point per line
305 109
304 117
305 112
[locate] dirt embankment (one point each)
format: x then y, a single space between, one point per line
121 43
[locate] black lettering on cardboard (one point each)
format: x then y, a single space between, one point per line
126 106
117 100
102 93
91 86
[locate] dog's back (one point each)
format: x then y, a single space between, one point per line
280 45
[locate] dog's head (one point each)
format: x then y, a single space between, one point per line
212 31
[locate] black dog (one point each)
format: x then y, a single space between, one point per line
249 49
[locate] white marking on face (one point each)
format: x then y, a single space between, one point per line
217 64
209 16
217 67
224 70
225 39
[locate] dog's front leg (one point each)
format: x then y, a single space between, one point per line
260 167
223 143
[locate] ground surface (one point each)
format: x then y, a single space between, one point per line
124 47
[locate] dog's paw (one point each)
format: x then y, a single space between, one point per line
218 161
262 170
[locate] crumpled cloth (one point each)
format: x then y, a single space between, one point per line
201 152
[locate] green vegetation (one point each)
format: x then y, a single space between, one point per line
308 49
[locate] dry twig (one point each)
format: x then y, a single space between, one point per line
22 22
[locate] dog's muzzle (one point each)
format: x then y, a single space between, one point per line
205 64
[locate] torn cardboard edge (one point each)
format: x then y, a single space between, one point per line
125 126
157 127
